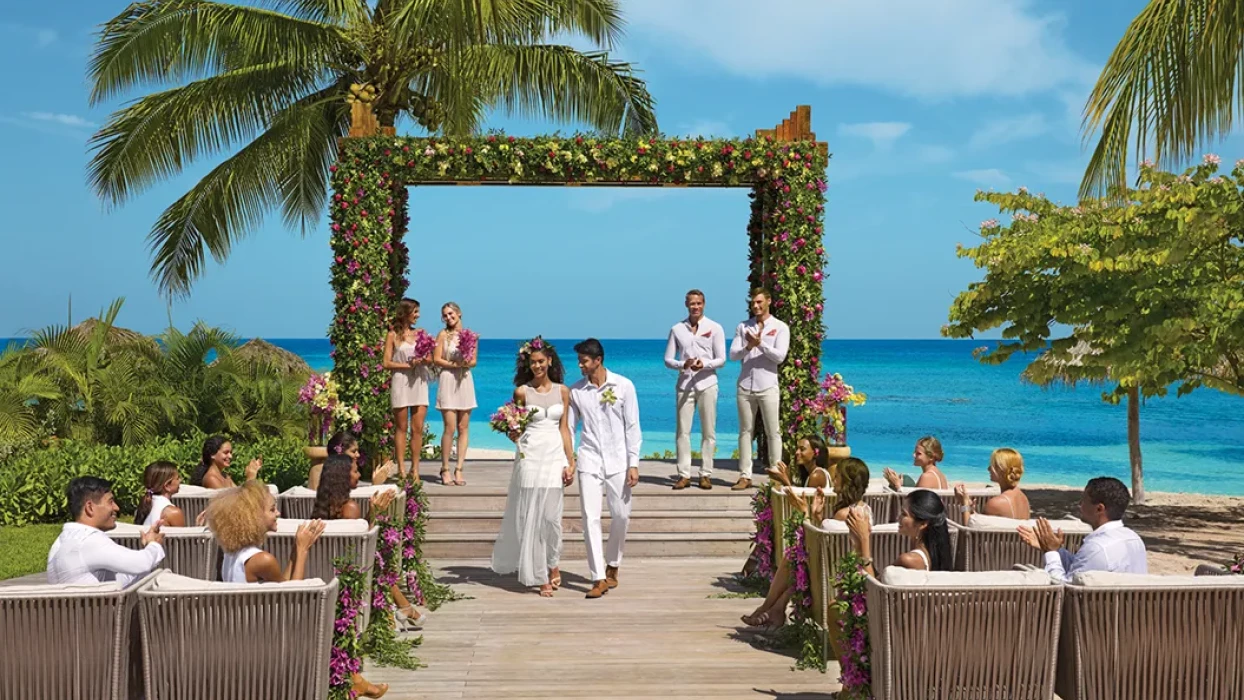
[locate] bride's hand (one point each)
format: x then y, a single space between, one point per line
568 475
514 435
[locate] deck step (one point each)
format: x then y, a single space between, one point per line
494 500
638 544
489 522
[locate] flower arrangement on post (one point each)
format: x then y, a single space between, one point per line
420 583
832 403
320 394
346 658
380 641
803 630
762 564
851 603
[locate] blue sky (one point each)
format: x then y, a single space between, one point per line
921 103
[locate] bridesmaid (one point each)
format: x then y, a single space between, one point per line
408 388
455 397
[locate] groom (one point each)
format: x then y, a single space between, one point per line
608 459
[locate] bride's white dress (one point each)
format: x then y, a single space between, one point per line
531 530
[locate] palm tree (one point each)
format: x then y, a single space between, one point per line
1174 77
276 80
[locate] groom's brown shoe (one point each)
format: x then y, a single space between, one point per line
682 483
598 589
611 576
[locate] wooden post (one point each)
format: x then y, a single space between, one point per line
363 120
796 127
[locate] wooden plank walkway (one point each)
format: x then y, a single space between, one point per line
660 634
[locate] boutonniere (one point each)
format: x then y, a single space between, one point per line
608 398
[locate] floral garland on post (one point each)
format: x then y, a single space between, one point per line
420 583
852 606
346 658
803 630
369 217
763 555
380 641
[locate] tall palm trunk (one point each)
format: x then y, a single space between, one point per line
1133 445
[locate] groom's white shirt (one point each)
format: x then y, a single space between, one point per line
611 437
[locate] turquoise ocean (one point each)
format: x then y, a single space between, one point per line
1192 444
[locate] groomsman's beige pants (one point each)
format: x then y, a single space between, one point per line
686 403
591 488
767 400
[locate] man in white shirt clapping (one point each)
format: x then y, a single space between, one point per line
761 343
1110 547
697 349
83 554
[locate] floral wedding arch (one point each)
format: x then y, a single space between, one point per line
784 167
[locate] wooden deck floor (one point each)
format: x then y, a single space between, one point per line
660 634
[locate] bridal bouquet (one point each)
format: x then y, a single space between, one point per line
468 343
511 419
424 344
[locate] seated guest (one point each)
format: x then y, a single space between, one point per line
812 461
216 458
344 442
84 554
160 481
332 502
1006 468
926 456
241 519
923 521
1109 547
851 480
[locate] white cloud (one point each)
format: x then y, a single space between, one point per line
1001 131
882 134
929 50
985 177
42 36
71 120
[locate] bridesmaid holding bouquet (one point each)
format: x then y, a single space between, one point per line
407 354
455 354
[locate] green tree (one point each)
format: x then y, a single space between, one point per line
1174 79
1151 284
277 80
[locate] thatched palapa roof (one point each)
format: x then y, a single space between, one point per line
116 334
258 351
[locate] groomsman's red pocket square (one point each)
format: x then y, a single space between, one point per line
772 332
707 334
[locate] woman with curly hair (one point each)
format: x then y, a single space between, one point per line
1006 468
850 482
332 502
530 541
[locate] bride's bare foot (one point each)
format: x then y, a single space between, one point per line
546 590
555 577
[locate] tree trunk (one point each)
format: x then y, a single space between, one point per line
1133 446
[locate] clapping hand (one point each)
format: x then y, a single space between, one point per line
961 495
818 504
893 478
381 499
1044 538
857 522
382 473
252 469
152 535
307 534
778 473
697 364
753 339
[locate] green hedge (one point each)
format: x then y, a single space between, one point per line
32 483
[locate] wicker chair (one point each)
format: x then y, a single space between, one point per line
979 496
353 539
68 642
208 641
948 634
990 543
193 499
297 502
1138 637
188 551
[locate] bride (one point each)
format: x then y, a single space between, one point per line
531 530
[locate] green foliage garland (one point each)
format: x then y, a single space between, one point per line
802 632
851 604
369 215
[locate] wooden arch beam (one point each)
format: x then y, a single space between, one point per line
796 127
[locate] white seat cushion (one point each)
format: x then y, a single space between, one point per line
192 490
1106 579
368 491
352 526
127 529
299 492
168 581
980 521
900 576
39 589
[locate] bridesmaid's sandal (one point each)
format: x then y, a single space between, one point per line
408 618
364 689
445 480
756 619
458 480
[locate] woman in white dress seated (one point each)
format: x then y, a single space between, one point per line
530 542
160 481
850 483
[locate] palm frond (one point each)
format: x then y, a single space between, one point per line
1174 78
312 149
458 24
561 83
339 12
170 42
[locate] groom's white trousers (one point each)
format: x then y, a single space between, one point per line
591 488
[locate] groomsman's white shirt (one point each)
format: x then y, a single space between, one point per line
760 364
707 344
611 437
84 554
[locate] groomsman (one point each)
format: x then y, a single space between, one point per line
697 349
761 343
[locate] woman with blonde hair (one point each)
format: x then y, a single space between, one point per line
1006 468
455 397
160 481
240 518
408 386
927 454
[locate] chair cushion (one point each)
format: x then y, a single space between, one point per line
368 491
168 581
38 590
192 490
299 492
354 526
980 521
900 576
1107 579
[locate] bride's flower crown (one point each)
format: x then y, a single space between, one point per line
536 343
